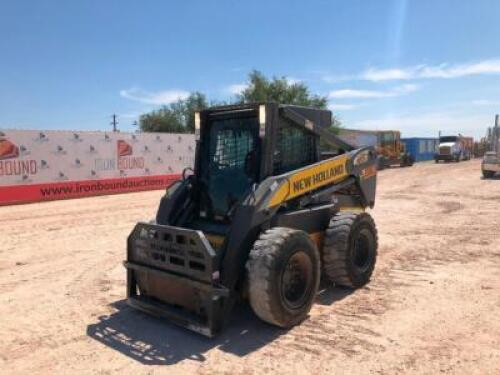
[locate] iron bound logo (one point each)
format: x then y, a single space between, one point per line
8 150
8 167
123 148
125 159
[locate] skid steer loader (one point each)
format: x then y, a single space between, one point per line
261 217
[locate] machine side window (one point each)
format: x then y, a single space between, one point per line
295 148
232 147
387 138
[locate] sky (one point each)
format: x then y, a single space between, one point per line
419 66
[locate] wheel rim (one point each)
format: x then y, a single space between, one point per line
296 280
363 250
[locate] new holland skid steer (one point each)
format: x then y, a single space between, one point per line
261 217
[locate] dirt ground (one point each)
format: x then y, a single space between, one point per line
433 304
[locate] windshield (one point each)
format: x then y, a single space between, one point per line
233 163
386 138
448 139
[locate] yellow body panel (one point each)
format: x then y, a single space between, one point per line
311 178
215 240
352 209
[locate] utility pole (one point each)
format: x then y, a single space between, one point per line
114 123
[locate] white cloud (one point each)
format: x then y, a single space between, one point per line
156 98
429 125
373 94
342 107
130 115
486 103
237 69
351 93
293 80
236 89
330 78
433 71
387 74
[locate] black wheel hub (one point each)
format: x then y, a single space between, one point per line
296 280
363 250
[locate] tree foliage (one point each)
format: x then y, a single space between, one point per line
282 90
178 117
279 90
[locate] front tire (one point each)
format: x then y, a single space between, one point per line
350 249
407 161
283 273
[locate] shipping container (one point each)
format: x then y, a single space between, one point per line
421 149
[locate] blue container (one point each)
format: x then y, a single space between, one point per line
421 148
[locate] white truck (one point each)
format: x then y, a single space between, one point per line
454 148
491 160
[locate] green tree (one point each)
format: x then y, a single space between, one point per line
177 117
279 90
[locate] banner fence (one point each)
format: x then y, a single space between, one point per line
48 165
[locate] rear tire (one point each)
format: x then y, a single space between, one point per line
488 174
283 273
350 249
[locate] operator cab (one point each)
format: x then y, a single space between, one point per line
236 152
230 162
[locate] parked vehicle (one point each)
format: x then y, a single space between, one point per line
454 148
491 160
391 151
